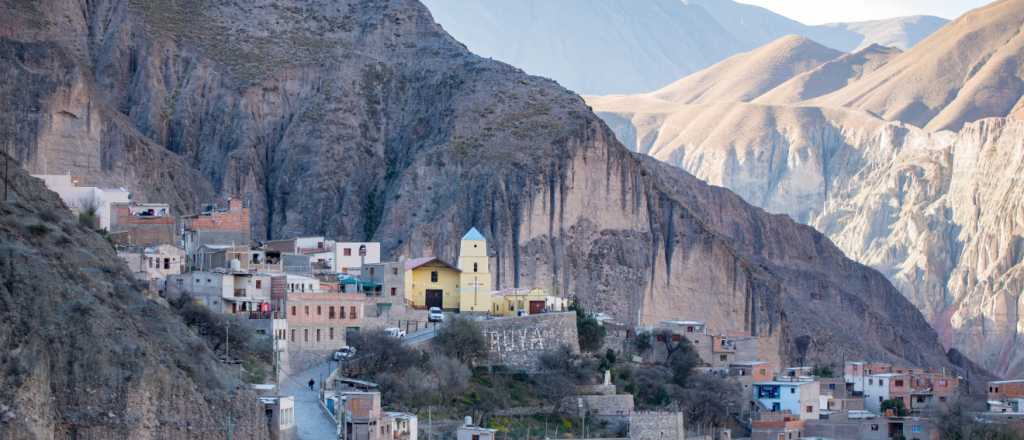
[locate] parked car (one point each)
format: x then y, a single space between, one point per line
394 332
435 314
345 352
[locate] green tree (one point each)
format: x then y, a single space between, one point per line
642 342
822 371
896 405
462 339
589 331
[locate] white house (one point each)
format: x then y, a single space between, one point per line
881 387
79 198
798 398
301 284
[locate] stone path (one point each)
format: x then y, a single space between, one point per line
311 421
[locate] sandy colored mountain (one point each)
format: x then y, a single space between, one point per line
968 70
830 76
748 75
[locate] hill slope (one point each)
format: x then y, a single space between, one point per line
84 353
616 46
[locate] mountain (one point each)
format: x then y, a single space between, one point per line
618 46
936 211
966 71
84 353
900 32
363 120
748 75
830 76
604 46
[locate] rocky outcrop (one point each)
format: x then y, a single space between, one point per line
85 354
364 120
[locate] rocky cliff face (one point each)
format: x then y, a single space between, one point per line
936 212
362 119
84 354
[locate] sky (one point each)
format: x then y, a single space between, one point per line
828 11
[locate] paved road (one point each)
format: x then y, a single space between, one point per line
311 421
419 337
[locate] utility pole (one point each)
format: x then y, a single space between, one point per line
7 135
230 425
227 339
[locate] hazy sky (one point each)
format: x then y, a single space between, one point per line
826 11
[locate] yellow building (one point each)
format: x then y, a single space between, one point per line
475 276
515 302
431 282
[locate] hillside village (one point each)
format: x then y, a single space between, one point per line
307 298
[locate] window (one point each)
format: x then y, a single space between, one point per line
881 382
942 398
167 263
342 311
293 335
307 310
259 284
317 310
331 332
874 427
394 271
916 429
347 252
433 276
763 372
676 338
305 335
898 383
722 358
371 272
293 314
809 409
352 312
317 335
475 268
393 290
871 381
792 390
330 313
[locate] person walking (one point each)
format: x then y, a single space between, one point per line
311 383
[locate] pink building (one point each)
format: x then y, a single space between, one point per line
319 320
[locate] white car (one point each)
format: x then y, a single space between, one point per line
435 314
345 352
394 332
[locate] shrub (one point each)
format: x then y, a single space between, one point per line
462 339
39 230
589 331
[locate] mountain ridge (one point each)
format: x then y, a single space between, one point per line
613 47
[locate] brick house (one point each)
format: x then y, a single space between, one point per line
142 224
215 225
320 320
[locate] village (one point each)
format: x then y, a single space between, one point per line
309 299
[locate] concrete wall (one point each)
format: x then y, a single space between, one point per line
657 426
518 342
